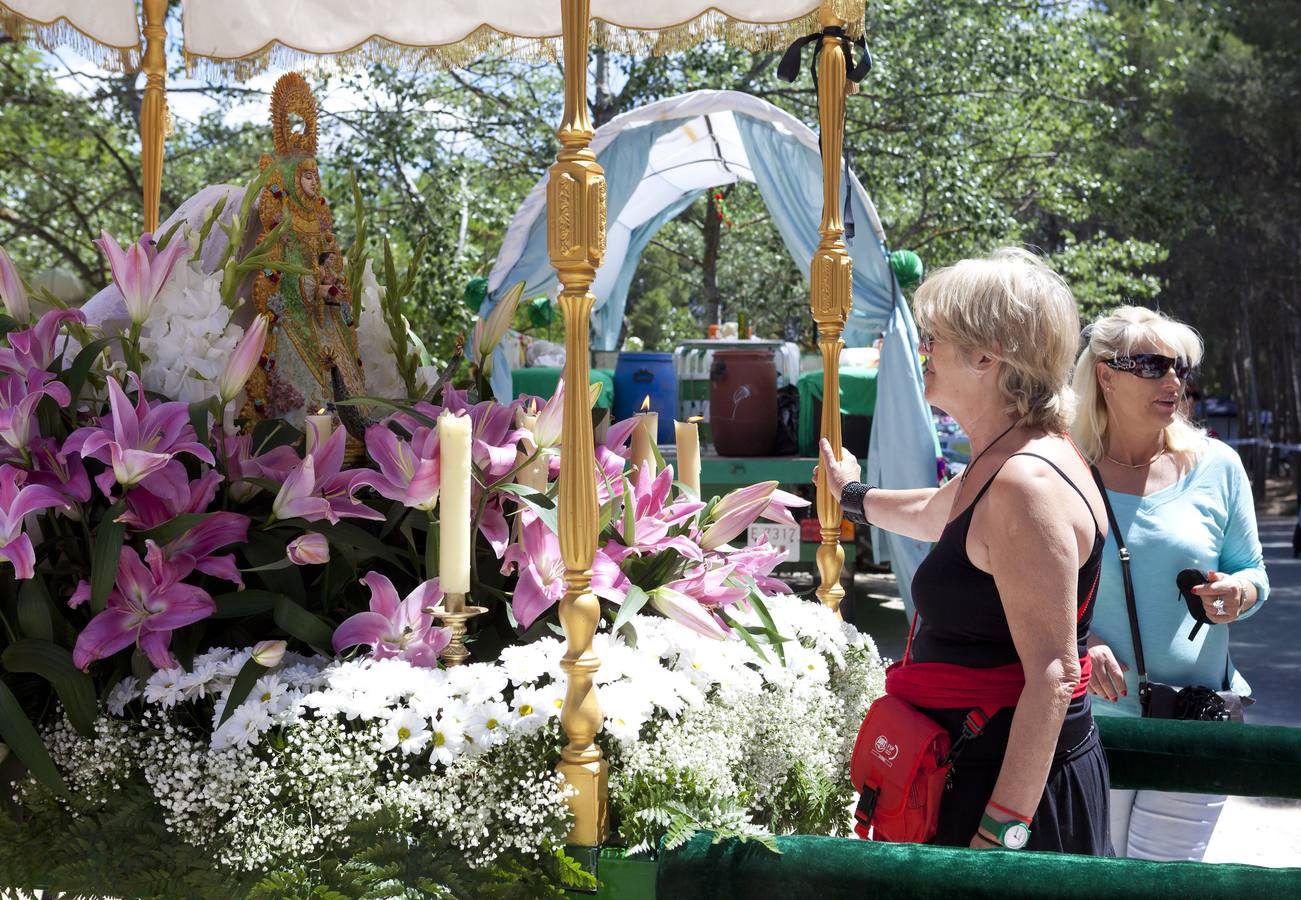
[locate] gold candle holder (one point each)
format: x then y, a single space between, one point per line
453 614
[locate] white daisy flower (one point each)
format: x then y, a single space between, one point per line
407 729
448 740
243 728
488 724
124 692
166 687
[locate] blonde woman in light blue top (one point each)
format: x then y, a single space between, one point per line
1182 501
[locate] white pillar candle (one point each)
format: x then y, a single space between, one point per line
454 504
643 440
688 435
319 428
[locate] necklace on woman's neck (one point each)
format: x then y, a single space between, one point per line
962 479
1143 465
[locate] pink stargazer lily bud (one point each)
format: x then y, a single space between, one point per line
489 332
244 360
736 512
309 550
137 276
12 292
268 654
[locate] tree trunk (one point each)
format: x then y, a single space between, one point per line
713 234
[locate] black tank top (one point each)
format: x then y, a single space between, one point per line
963 622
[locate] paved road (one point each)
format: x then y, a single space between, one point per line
1267 646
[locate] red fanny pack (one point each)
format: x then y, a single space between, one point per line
900 766
903 759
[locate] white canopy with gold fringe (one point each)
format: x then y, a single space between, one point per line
105 31
238 37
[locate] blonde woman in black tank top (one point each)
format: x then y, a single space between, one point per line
1017 551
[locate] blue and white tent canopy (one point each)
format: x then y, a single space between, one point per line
660 158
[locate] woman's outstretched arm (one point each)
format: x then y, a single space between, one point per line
919 513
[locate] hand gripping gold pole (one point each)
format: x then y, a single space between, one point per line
576 244
153 111
830 286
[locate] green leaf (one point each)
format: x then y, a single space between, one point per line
632 604
200 411
303 625
354 542
54 663
745 635
75 375
34 603
263 549
105 553
629 514
390 404
242 604
770 627
549 515
175 527
248 675
431 552
23 739
520 490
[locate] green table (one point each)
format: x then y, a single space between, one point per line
541 382
857 398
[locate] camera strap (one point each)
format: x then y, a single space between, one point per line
1129 585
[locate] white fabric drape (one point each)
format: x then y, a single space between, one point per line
112 23
232 29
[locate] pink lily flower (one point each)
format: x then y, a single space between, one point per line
319 488
36 347
16 503
310 549
242 362
19 398
194 549
275 464
147 604
141 271
146 510
547 431
687 611
738 510
494 436
64 472
541 570
653 520
397 628
709 586
408 470
137 442
12 292
757 561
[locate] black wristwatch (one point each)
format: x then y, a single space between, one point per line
851 501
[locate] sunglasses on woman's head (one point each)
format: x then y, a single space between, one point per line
1150 365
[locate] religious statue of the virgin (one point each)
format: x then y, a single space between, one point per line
311 353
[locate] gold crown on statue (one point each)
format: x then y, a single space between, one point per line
292 96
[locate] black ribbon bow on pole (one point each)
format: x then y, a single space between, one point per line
789 69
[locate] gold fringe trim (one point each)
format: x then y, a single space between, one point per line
709 25
62 33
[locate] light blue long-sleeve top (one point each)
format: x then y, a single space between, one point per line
1205 521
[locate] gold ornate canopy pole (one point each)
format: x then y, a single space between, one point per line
830 284
576 244
153 112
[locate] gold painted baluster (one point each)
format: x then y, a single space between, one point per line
576 244
153 111
830 285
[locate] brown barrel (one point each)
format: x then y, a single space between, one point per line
743 402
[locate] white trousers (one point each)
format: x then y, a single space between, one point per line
1163 826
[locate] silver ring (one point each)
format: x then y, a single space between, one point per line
1219 606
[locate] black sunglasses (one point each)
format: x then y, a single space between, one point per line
1150 365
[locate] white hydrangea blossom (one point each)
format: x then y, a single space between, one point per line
470 752
188 336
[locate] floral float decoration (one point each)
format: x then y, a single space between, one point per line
222 671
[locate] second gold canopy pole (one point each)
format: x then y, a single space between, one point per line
830 285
